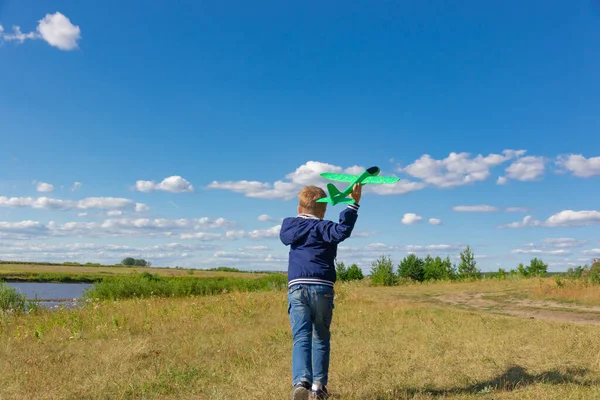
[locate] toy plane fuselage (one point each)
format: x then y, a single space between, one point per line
370 175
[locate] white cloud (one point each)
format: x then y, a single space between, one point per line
542 252
140 207
564 242
306 174
55 29
566 218
458 168
527 168
44 187
114 213
76 186
411 218
502 180
475 208
435 221
83 214
579 165
574 218
100 203
173 184
256 234
267 218
516 209
58 31
593 252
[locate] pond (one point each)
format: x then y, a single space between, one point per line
52 294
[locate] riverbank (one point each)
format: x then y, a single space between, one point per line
89 274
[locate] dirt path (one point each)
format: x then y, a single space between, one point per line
524 308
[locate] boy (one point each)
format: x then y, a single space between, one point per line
311 277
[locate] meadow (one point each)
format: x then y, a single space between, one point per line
426 340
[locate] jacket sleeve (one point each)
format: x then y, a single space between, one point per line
333 232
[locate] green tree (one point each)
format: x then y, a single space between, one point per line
436 270
341 271
140 263
354 273
129 261
537 267
382 272
411 267
467 268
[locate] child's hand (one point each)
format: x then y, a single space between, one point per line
356 192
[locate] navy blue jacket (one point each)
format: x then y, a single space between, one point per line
313 245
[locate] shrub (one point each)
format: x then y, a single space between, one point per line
412 267
13 301
382 272
354 273
436 269
537 267
593 275
341 272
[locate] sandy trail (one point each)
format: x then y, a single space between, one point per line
523 308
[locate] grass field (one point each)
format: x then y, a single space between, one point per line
68 273
403 342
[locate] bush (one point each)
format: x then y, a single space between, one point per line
354 273
147 285
437 269
412 267
382 272
13 301
537 268
341 272
593 276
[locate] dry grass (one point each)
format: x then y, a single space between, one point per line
574 291
238 346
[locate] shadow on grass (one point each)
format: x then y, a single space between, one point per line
515 377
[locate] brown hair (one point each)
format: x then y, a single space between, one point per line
307 200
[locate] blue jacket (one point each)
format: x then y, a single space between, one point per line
313 245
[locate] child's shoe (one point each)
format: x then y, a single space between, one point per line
319 394
301 391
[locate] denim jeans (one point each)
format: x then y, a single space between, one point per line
310 308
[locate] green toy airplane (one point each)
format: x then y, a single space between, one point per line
369 176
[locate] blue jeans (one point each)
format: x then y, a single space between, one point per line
310 308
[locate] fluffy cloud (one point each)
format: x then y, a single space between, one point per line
476 208
100 203
306 174
458 168
44 187
256 234
55 29
76 186
173 184
184 228
525 169
592 252
566 218
435 221
267 218
579 165
560 252
411 218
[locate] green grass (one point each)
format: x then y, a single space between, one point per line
148 285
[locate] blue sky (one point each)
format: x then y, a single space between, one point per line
185 124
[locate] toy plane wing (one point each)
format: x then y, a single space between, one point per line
352 178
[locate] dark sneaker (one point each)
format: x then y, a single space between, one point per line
301 391
320 394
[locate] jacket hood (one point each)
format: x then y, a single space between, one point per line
294 229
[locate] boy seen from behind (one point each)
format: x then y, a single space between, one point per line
313 245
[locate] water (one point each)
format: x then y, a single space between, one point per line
52 294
